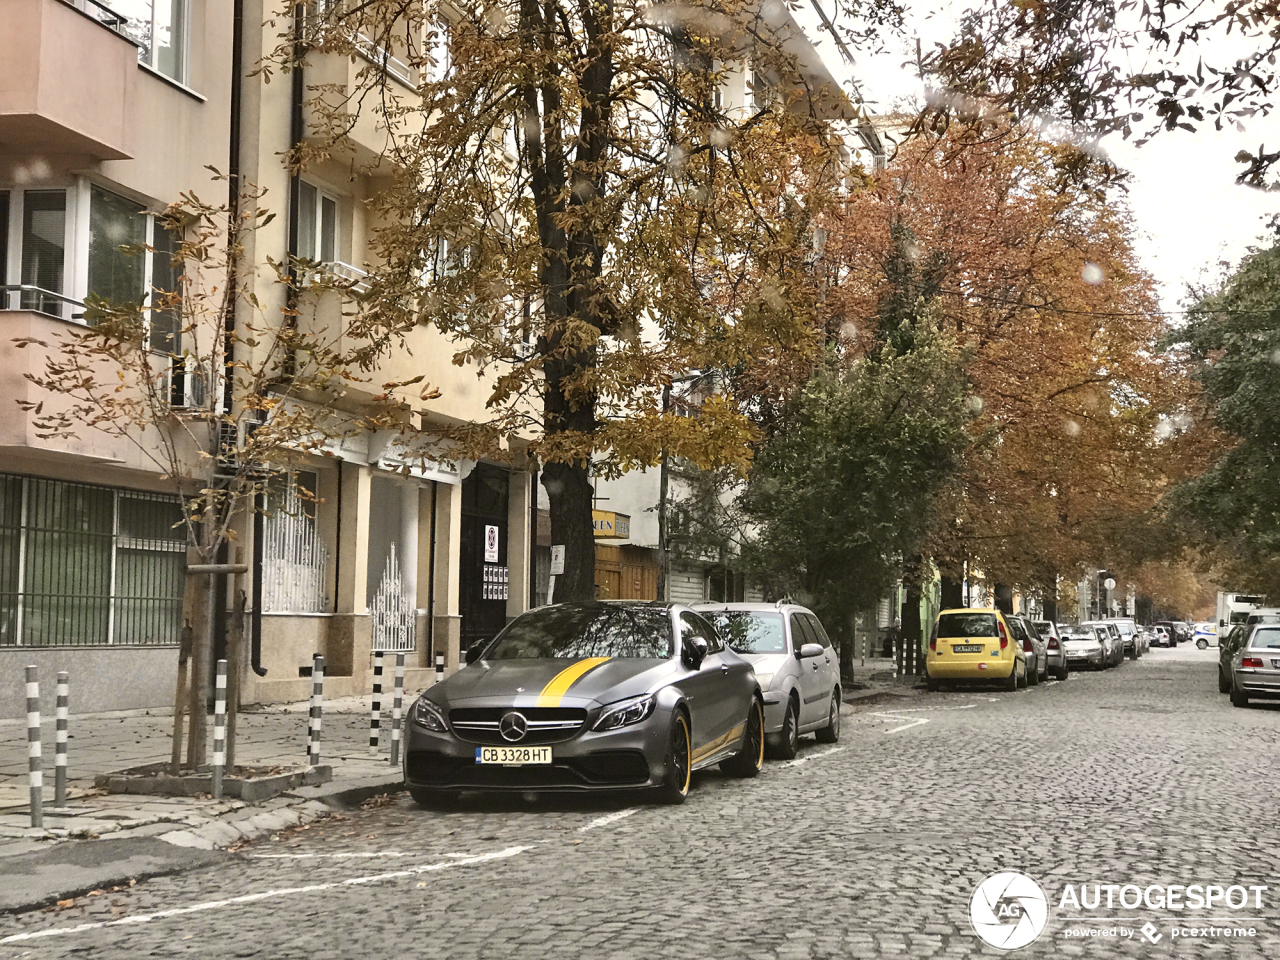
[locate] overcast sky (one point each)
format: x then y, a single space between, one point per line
1189 212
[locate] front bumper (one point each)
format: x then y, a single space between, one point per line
775 711
628 758
1093 658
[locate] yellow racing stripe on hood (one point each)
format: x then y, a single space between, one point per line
554 691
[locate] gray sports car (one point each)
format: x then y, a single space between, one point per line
597 695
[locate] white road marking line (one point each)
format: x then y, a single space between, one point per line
914 721
338 856
812 756
254 897
968 706
608 819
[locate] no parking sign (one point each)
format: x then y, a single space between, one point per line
490 544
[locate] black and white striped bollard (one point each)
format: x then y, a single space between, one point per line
397 702
375 707
439 667
317 699
33 746
60 747
219 728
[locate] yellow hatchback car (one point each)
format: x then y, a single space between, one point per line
974 644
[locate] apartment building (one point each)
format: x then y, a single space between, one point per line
108 113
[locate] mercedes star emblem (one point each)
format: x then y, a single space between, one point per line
513 726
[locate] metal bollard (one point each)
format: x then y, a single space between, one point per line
439 667
60 747
317 699
219 727
375 708
397 702
897 659
33 746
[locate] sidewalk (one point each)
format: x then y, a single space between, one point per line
110 742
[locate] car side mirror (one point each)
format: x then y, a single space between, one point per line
695 651
810 650
475 650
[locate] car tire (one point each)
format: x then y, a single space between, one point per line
1133 654
931 684
677 767
1062 671
1033 676
747 762
1011 682
785 744
1202 644
1238 699
1224 685
831 732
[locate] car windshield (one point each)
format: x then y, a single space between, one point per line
967 625
1265 639
575 630
749 632
1042 626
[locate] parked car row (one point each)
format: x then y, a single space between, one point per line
985 644
608 695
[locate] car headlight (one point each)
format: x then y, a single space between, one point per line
764 679
427 714
626 712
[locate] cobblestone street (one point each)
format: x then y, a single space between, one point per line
1139 775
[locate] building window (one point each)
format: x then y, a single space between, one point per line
160 28
317 224
44 242
117 236
85 565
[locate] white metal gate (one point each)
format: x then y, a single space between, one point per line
392 614
294 560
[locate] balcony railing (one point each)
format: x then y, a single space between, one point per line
105 16
26 296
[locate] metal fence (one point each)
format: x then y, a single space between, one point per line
87 565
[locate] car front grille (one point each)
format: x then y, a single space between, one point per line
546 724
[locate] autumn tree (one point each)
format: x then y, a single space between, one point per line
1097 67
590 200
1031 268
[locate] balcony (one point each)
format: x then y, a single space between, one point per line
67 79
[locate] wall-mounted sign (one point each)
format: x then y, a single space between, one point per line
490 544
557 560
611 526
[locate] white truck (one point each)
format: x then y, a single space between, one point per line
1235 607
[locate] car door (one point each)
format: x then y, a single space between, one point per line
813 693
1023 640
830 668
710 691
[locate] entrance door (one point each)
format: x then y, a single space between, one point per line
484 581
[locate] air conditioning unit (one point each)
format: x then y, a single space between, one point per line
192 385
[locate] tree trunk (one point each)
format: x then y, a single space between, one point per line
1049 599
201 654
1004 599
568 488
952 593
912 632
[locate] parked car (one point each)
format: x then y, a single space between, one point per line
1227 647
1162 636
1172 629
796 667
1205 635
1230 644
588 696
1084 647
1133 643
1032 646
975 644
1056 653
1255 668
1184 630
1110 635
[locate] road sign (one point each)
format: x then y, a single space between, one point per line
490 544
557 560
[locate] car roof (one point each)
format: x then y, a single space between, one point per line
969 610
709 606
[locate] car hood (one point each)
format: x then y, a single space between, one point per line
574 682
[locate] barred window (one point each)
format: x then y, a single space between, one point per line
85 565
